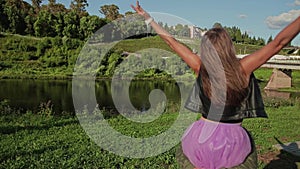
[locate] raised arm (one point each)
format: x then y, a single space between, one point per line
258 58
185 53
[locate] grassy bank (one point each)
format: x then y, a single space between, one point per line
46 141
29 57
55 57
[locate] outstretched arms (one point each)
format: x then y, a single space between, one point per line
258 58
185 53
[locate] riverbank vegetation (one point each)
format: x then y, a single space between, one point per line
55 57
44 40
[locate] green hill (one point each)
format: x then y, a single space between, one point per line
31 57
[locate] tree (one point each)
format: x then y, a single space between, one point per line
4 23
29 20
72 25
186 31
128 13
217 25
238 36
260 41
16 10
113 61
36 4
246 38
130 27
59 23
89 25
253 40
172 30
44 24
54 7
111 12
52 2
79 6
270 39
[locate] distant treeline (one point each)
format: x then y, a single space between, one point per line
54 19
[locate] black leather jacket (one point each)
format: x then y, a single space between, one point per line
252 106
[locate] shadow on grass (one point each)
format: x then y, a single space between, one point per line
14 154
285 160
9 129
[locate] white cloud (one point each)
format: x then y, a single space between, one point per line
297 2
243 16
278 22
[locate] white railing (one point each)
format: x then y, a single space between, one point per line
281 62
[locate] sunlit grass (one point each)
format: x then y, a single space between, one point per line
43 140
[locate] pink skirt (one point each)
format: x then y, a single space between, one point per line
213 145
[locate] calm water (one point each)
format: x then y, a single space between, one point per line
29 94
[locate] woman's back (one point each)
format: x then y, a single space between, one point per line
223 78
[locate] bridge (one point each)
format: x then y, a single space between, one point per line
292 49
282 70
283 64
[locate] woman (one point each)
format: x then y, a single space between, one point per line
225 93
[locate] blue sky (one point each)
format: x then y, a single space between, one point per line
260 18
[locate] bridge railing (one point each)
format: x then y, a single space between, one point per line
281 62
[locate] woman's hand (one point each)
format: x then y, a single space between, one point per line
185 53
140 10
253 61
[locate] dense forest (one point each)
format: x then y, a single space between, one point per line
56 20
45 38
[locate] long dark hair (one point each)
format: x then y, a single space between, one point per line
218 55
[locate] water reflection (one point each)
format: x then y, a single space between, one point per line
29 94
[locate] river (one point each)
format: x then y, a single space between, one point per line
30 94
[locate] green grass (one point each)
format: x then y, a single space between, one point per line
264 74
283 123
247 49
46 141
29 57
37 141
133 45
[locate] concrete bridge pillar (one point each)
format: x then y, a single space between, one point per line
280 78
